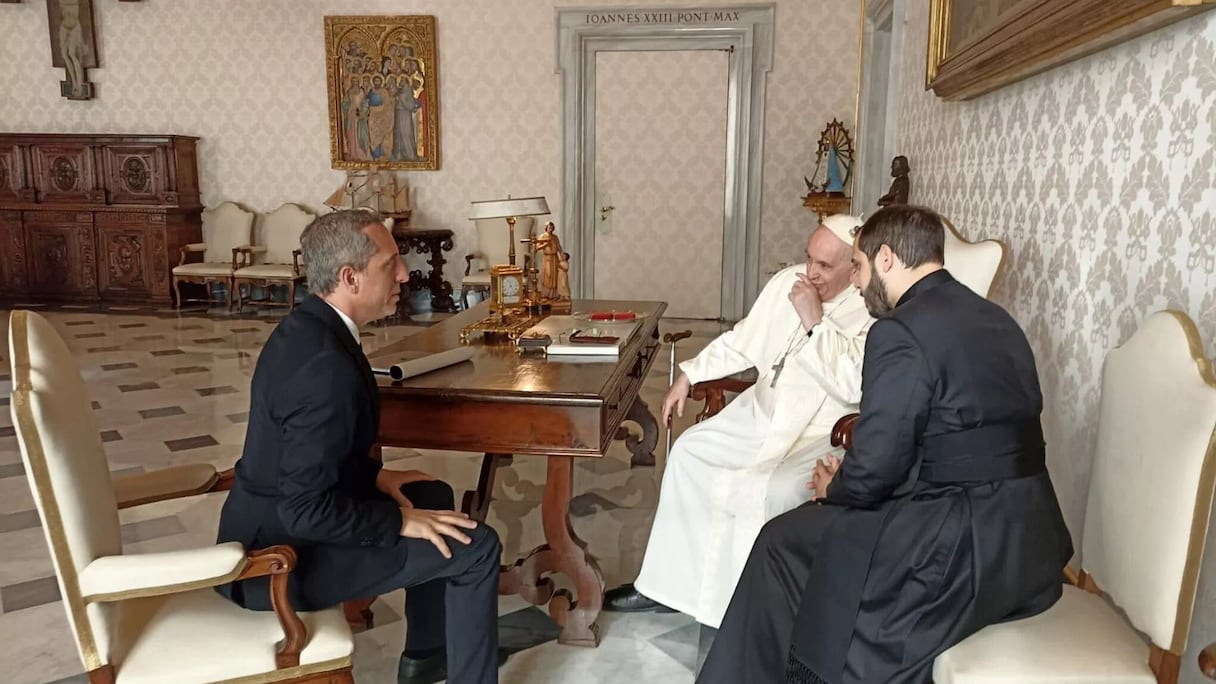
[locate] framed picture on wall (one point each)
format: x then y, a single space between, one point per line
383 82
977 46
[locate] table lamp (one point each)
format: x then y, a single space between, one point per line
510 209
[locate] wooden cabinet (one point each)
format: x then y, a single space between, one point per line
95 217
14 269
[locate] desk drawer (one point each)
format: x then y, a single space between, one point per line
618 401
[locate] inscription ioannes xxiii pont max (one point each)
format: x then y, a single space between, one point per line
671 17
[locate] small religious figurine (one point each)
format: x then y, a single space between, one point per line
898 194
550 249
835 182
563 276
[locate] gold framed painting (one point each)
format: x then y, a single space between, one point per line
977 46
383 81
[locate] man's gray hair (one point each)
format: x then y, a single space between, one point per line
336 240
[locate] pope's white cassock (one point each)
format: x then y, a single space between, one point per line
730 474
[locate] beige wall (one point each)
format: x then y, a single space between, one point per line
1098 176
249 79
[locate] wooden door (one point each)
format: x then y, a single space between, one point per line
135 173
126 252
65 172
660 158
62 255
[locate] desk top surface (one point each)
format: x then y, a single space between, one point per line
498 370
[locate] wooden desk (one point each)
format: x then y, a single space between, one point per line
504 404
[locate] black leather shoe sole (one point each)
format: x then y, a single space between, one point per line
627 599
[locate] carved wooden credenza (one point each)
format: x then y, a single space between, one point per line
95 217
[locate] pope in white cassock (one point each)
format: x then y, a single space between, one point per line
728 475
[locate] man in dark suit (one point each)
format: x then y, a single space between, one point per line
940 520
306 477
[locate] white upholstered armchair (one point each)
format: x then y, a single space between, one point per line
1150 499
147 618
492 249
227 231
276 261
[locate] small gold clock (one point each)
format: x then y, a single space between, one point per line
506 287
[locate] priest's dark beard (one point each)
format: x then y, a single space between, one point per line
875 296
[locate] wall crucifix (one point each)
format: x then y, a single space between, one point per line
73 45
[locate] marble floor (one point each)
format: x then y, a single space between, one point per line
172 387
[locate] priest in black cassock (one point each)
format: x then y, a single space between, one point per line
940 520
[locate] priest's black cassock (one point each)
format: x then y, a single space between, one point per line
941 520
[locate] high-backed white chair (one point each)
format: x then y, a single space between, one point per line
1150 498
493 246
276 261
974 264
143 618
227 230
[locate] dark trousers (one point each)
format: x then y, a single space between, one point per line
452 602
753 643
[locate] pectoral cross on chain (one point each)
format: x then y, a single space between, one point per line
777 368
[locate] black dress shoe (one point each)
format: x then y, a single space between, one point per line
430 670
422 670
627 599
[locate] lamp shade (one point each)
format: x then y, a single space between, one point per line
506 208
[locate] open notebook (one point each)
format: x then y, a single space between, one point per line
562 328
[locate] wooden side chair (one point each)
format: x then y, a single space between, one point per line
276 261
227 231
148 617
977 265
1150 499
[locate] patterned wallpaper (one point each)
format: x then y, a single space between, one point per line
1099 176
249 79
659 144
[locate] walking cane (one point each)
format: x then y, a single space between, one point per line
672 338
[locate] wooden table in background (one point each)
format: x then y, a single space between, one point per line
432 241
503 405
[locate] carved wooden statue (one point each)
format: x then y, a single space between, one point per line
898 194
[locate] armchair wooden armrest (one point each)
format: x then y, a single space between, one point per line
1207 661
192 248
842 431
296 255
277 561
242 256
469 259
171 483
713 392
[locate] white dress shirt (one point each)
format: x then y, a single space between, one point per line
350 324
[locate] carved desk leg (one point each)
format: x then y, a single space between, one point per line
642 448
563 552
476 502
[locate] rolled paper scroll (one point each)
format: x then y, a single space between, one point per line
426 364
